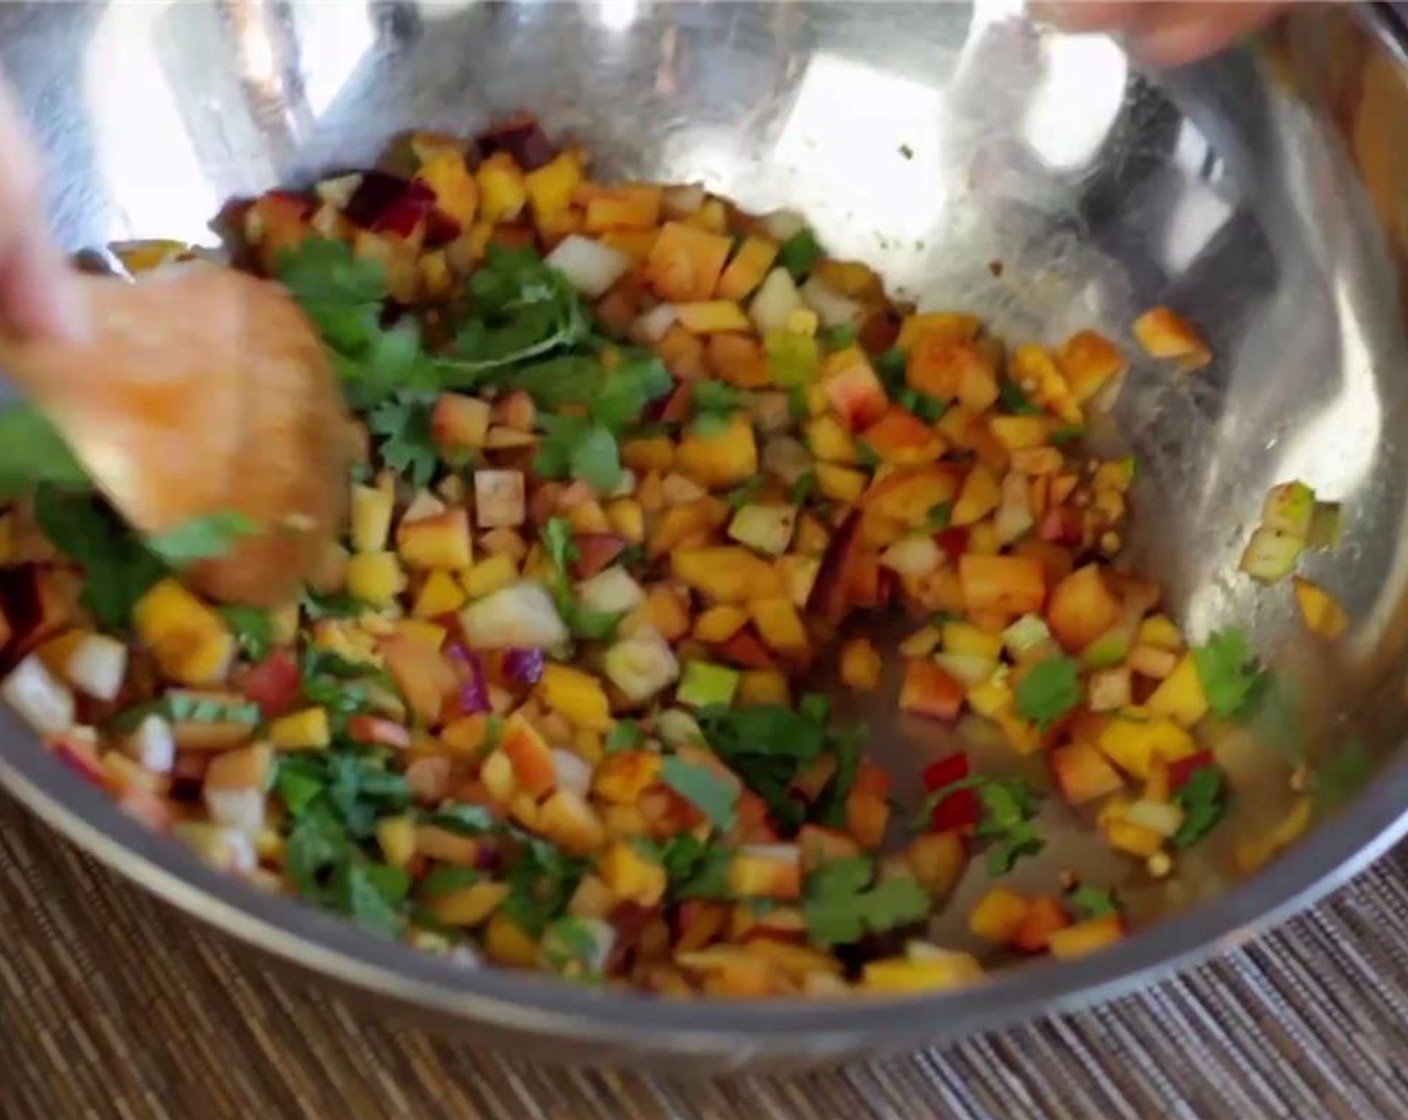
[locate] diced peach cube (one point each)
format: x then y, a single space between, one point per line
631 876
861 665
1166 334
376 578
459 422
441 540
191 641
999 915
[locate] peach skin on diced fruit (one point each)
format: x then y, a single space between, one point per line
766 871
1088 360
727 574
937 860
685 262
1082 774
631 876
1322 613
534 768
998 916
868 805
930 691
902 438
909 494
1045 915
747 269
1085 937
719 458
1015 585
1166 334
855 392
1083 607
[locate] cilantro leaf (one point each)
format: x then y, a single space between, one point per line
1094 902
253 628
625 735
1049 691
696 870
1203 799
201 537
839 337
180 707
842 905
406 445
542 879
799 253
463 818
32 453
447 878
316 606
712 403
713 794
570 947
1014 399
1008 806
939 517
117 569
1343 774
1229 672
521 310
583 621
576 447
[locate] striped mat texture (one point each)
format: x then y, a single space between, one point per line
112 1006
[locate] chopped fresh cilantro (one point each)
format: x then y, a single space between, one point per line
316 606
625 735
405 443
447 878
1014 399
180 707
570 948
1229 672
1008 808
802 489
799 253
577 447
1094 902
32 453
695 869
117 569
1067 433
201 538
462 818
542 879
839 337
1203 799
797 406
585 622
1048 691
711 793
906 151
1343 774
327 866
939 518
929 409
253 629
712 403
746 493
843 902
520 310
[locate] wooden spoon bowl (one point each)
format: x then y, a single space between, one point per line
203 390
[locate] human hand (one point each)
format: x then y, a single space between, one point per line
39 297
1162 32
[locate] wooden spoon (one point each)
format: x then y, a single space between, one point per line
203 390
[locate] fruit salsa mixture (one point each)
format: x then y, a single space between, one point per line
634 464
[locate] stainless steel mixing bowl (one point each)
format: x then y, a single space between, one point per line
1259 193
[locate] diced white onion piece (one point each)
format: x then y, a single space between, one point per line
782 225
423 505
572 772
678 728
787 458
38 698
1157 816
627 486
240 809
913 556
339 190
612 591
500 499
653 325
97 666
774 302
589 266
228 849
1027 631
831 307
641 666
522 614
679 202
774 853
153 745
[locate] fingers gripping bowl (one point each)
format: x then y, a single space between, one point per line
1048 295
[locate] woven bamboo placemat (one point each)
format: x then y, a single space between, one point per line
111 1005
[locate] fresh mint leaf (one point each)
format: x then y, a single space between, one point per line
201 538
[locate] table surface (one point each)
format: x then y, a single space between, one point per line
113 1006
